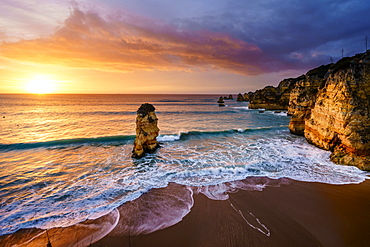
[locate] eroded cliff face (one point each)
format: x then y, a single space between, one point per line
146 131
240 97
330 106
303 96
272 98
340 117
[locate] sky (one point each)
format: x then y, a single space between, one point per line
166 46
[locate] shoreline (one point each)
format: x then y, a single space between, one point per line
249 212
293 214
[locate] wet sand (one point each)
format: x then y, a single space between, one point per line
251 212
294 214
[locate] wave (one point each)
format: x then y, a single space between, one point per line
194 112
64 142
125 138
59 189
241 107
104 113
77 113
133 113
190 134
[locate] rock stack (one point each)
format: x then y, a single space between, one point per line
230 97
146 131
220 100
273 98
240 97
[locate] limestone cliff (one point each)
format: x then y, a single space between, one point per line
247 96
330 106
272 98
146 131
240 97
340 117
302 98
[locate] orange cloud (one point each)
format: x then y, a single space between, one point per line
128 43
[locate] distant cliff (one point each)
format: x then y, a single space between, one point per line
330 106
272 98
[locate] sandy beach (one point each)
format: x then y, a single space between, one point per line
294 214
252 212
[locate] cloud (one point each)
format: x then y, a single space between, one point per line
314 29
30 18
127 43
244 37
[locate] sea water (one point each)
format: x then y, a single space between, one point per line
67 158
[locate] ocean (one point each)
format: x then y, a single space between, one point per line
67 158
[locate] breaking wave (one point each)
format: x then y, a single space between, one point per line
117 139
78 179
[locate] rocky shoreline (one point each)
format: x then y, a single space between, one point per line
329 105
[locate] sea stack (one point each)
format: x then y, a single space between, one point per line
146 131
240 97
220 100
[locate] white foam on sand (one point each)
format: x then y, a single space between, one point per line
159 209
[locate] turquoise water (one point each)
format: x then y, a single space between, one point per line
67 158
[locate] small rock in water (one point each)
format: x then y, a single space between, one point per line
220 100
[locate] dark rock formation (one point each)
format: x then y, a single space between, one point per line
146 131
240 97
220 100
247 96
273 98
229 97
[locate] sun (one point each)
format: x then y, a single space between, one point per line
40 85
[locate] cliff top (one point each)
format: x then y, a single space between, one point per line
347 61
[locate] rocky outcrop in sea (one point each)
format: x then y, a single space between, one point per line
240 97
146 131
272 98
330 106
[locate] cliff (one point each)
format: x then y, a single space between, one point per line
330 106
240 97
339 120
272 98
303 96
146 131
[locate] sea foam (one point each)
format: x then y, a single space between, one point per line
168 138
80 182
